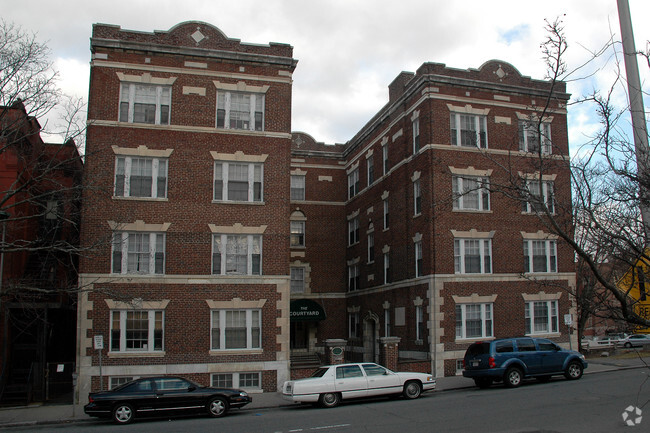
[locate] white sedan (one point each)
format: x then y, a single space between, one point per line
333 383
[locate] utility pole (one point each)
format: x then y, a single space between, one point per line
637 111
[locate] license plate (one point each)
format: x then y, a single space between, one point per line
475 363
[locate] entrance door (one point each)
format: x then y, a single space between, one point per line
300 336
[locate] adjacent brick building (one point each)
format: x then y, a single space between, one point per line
226 244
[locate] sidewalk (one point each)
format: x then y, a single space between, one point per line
64 413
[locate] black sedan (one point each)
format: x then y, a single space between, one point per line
163 394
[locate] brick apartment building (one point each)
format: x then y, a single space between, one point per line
227 245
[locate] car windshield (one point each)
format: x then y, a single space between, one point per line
320 372
478 349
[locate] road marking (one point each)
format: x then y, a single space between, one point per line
324 427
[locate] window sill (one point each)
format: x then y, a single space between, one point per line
473 211
417 215
158 354
544 335
252 203
161 199
473 339
236 352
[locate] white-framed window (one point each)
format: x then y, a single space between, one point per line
460 366
235 329
541 317
370 168
540 255
353 231
387 322
240 110
297 279
137 331
540 194
138 253
145 103
469 130
248 380
531 134
116 381
420 324
471 193
140 177
418 259
384 157
354 277
354 325
474 321
297 233
353 183
297 187
238 181
417 198
236 254
473 256
386 215
387 274
416 136
371 247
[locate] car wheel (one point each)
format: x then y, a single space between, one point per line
331 399
483 382
627 345
573 370
123 413
513 377
412 390
217 407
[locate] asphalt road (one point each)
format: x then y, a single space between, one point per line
594 403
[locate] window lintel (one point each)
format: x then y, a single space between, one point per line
143 151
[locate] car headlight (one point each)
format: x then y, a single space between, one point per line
243 394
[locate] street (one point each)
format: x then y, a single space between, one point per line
594 403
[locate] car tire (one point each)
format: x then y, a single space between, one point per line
573 370
412 390
628 345
330 399
513 377
123 413
217 407
483 382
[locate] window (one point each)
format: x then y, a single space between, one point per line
240 110
297 187
473 256
371 247
417 198
473 321
348 371
353 231
469 130
386 215
541 317
236 329
140 177
144 103
531 134
471 193
234 181
138 253
418 259
297 280
297 233
237 380
387 329
420 325
137 330
384 154
242 253
354 277
539 194
354 330
540 255
416 136
387 274
370 165
116 381
353 183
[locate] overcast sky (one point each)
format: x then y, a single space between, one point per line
348 51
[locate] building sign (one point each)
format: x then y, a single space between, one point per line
305 309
